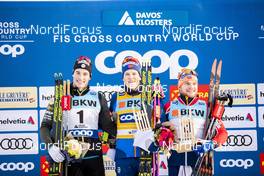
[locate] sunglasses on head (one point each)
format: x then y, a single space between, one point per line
84 58
130 59
187 73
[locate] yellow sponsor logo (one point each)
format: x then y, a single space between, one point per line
18 97
109 166
241 93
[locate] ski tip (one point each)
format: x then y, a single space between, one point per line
60 76
149 62
215 62
55 76
214 66
219 68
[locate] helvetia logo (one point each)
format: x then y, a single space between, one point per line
30 121
238 118
18 121
126 20
249 117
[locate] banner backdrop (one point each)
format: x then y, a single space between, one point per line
40 38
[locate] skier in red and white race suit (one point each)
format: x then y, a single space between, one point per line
189 105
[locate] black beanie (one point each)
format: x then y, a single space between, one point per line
83 62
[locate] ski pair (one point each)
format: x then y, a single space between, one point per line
157 95
149 164
62 105
205 163
145 168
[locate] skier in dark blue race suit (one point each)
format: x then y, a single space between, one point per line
82 124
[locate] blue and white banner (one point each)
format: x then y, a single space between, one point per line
40 38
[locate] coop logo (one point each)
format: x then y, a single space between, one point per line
126 118
20 166
14 50
82 132
245 164
144 19
167 62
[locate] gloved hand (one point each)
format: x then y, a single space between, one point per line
111 154
74 148
143 139
56 154
204 146
165 134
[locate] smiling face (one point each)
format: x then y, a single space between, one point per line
189 87
131 79
81 78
